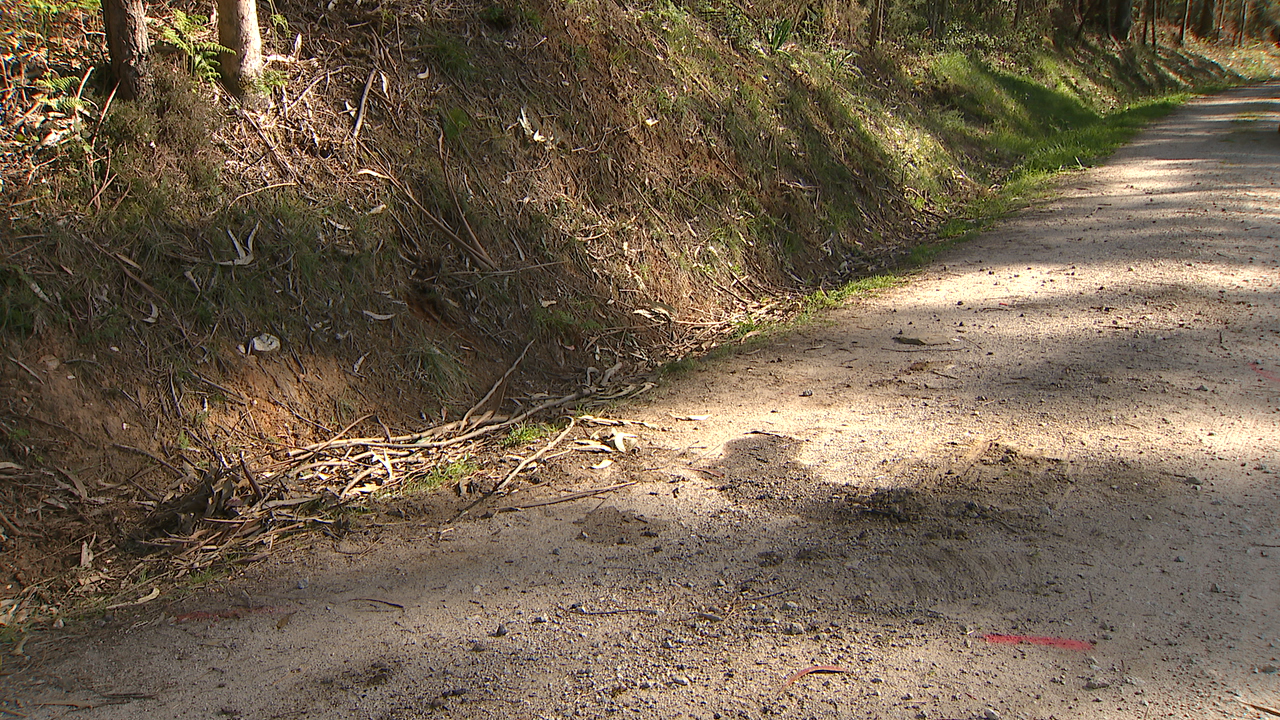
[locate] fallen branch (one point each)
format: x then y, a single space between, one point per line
811 669
314 449
534 457
495 387
364 101
477 253
566 498
1262 709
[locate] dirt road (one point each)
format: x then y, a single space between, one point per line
1067 429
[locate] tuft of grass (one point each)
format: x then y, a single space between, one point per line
525 433
450 473
829 299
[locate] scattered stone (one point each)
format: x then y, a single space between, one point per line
680 680
646 684
793 628
537 619
788 605
1178 558
479 646
1215 588
1096 684
990 714
1268 669
668 645
500 631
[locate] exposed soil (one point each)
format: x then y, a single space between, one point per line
1066 430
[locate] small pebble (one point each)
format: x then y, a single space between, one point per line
500 631
788 605
680 680
539 619
990 714
1178 559
793 628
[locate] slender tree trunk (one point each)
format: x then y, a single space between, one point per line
1204 23
1121 18
877 22
125 22
238 30
1017 14
1244 19
1186 13
1222 18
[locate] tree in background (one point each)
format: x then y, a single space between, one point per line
128 45
238 31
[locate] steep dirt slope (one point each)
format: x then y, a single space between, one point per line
1065 430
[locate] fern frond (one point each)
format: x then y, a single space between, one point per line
213 48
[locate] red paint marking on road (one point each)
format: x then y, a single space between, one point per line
1064 643
1270 376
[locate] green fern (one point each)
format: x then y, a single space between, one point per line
202 55
60 94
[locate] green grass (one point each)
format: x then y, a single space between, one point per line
525 433
1043 162
450 473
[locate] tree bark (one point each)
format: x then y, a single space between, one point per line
1186 13
1121 19
125 23
1204 24
238 30
877 22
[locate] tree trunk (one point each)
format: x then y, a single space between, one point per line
1204 24
238 30
1186 13
876 28
1244 19
1121 19
1222 19
125 22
